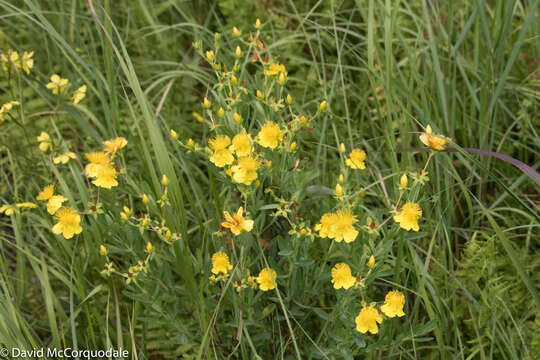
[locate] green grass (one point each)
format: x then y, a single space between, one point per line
387 69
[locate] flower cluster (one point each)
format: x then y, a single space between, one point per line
101 167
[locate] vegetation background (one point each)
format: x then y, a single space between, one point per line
470 68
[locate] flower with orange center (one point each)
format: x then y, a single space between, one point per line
113 145
435 142
237 223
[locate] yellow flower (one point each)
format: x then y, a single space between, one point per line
267 279
27 62
323 105
6 108
241 144
57 84
367 320
393 304
435 142
12 59
113 145
220 263
8 210
54 202
237 224
222 155
326 222
46 193
342 277
64 158
26 205
338 226
338 191
403 181
371 262
105 176
79 94
408 216
68 222
275 69
270 135
245 172
97 160
191 143
45 142
356 159
102 250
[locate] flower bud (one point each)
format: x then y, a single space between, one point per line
342 148
210 55
103 250
145 199
292 147
288 99
238 52
127 210
206 103
237 118
221 112
260 95
236 32
149 247
323 105
339 191
403 181
234 80
165 180
341 179
257 24
282 78
174 135
371 262
191 144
